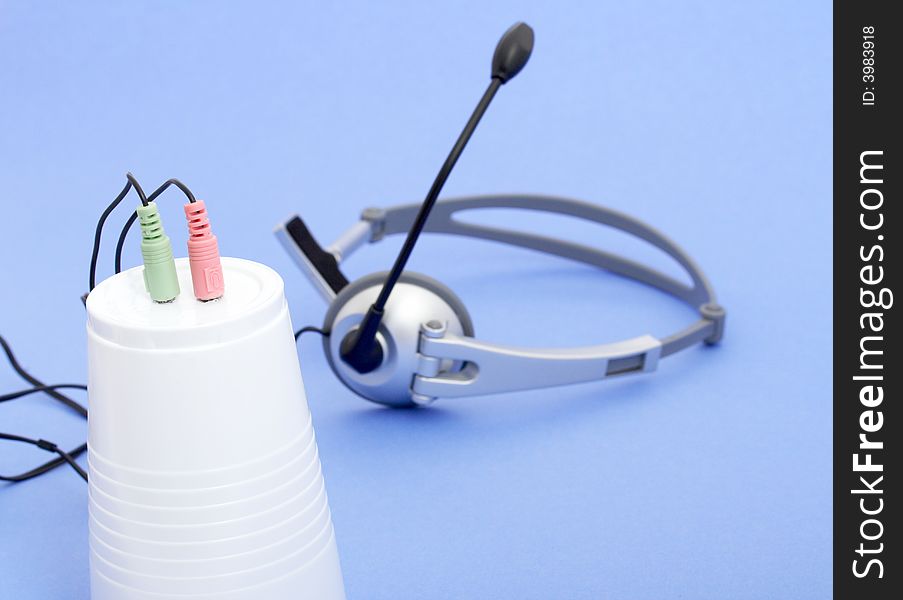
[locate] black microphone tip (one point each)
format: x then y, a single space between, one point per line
513 52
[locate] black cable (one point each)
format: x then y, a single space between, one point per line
50 390
49 465
310 329
137 187
43 445
178 184
78 408
41 388
92 270
120 244
98 232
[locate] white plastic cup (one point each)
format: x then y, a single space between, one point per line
202 497
219 565
259 529
208 514
277 580
204 479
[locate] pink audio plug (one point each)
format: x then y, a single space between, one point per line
203 254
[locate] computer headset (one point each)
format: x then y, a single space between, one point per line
400 338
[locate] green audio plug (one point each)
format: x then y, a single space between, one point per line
159 267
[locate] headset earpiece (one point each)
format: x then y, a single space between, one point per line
375 344
417 299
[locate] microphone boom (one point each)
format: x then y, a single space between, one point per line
359 348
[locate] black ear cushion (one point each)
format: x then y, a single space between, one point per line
410 277
325 263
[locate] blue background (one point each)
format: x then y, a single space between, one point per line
710 120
